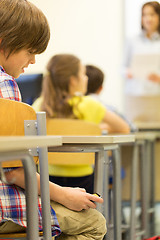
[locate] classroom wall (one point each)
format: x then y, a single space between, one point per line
95 31
92 30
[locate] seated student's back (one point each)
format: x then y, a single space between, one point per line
63 96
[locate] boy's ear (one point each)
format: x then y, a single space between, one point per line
99 90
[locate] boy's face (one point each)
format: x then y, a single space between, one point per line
14 65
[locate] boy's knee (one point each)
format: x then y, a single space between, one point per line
97 223
89 223
101 225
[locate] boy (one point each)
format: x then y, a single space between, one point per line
95 87
24 32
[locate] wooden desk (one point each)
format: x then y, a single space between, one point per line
102 140
12 148
100 144
8 144
153 126
140 137
148 126
143 150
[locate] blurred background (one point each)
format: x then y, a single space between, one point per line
95 31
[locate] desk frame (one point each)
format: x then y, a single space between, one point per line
99 145
143 147
20 150
31 187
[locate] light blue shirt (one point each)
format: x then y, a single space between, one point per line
141 45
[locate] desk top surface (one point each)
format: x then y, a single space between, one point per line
16 143
148 125
147 135
107 139
26 142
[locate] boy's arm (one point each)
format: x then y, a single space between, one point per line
72 198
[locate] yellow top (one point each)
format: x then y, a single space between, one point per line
84 108
88 109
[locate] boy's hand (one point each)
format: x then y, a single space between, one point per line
77 199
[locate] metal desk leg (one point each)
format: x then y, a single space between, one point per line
105 186
150 198
134 169
148 185
31 202
105 190
30 191
117 193
152 191
98 176
44 179
144 189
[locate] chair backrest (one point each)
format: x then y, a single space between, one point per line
12 116
66 126
25 81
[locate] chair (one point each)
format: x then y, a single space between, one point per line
78 155
13 116
66 126
81 154
25 81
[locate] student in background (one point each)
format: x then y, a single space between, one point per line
146 43
18 48
63 96
95 86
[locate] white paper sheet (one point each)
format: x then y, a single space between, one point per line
144 65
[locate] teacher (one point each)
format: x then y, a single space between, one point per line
144 49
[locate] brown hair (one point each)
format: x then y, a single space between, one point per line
95 78
22 26
55 86
156 6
